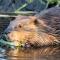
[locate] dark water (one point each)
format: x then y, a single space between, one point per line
45 53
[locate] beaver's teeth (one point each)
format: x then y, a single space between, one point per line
27 45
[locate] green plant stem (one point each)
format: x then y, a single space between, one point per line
24 5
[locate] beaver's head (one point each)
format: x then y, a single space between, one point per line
22 29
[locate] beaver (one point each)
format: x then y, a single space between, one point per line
42 29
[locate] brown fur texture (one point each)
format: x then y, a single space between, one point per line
39 30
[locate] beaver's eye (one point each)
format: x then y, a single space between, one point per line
35 22
20 26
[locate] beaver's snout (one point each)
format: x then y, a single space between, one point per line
19 38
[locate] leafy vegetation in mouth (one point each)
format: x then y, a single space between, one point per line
5 41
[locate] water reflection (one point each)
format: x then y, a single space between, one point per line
45 53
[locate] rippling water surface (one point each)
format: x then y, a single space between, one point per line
45 53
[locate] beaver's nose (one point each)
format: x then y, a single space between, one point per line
7 31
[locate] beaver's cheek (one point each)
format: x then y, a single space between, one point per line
16 36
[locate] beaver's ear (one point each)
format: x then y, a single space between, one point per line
33 19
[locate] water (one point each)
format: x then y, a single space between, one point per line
45 53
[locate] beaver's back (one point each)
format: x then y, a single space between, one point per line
51 19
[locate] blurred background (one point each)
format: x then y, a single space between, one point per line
26 5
